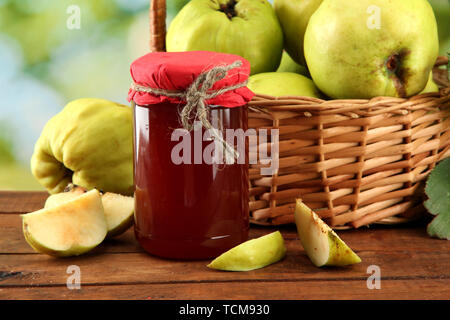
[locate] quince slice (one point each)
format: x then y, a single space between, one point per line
119 213
71 228
70 192
322 245
252 254
118 209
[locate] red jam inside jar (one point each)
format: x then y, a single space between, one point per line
193 208
186 211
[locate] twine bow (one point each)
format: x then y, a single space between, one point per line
196 95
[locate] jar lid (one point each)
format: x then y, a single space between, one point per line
158 74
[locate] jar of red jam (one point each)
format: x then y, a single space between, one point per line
191 197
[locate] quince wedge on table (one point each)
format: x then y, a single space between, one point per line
88 143
71 228
118 209
70 192
252 254
322 245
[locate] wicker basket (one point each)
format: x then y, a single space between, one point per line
355 162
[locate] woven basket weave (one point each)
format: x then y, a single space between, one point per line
355 162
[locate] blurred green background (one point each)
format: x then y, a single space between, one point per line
44 64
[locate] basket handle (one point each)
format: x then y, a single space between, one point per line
157 25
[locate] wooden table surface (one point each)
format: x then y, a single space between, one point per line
412 266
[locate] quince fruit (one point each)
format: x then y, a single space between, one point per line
118 209
367 48
294 16
252 254
88 143
431 86
248 28
287 64
322 245
283 84
71 228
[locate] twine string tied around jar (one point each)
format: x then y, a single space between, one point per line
196 108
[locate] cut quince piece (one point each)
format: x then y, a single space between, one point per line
71 192
252 254
118 209
71 228
322 245
119 213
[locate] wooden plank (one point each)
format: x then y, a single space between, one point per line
22 202
376 238
410 289
413 266
13 241
123 268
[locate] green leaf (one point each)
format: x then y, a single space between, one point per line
438 204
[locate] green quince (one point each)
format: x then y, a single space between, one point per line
294 17
431 85
288 64
367 48
68 229
279 84
89 143
248 28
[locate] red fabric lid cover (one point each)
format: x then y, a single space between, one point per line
177 70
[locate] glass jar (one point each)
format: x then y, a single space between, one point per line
186 210
185 206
